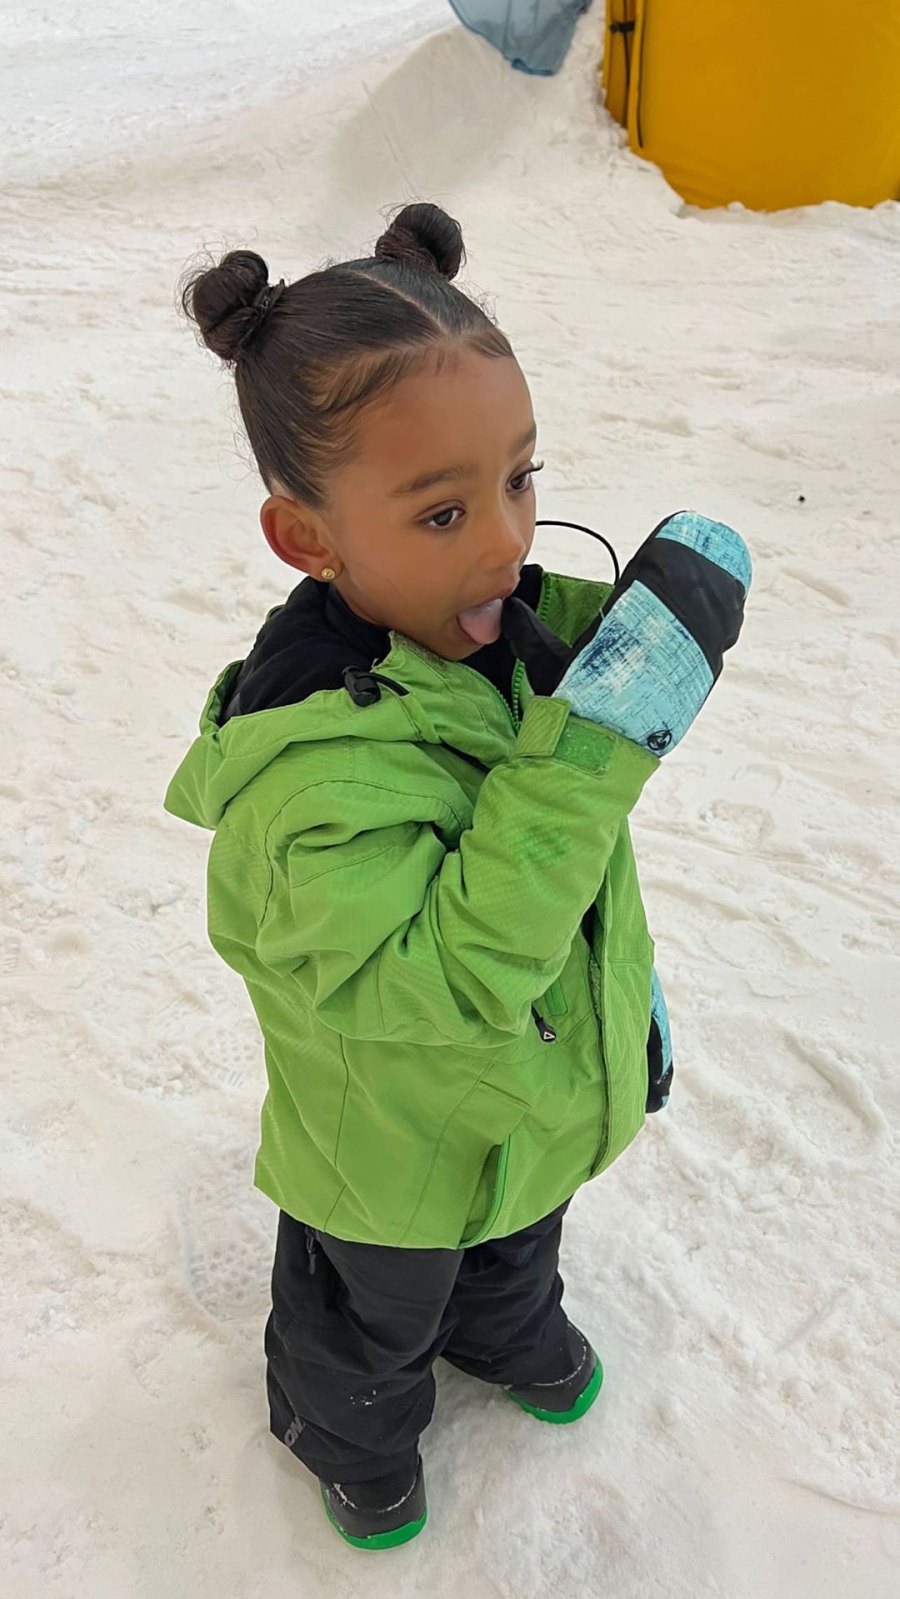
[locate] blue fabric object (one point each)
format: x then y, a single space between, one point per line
644 673
534 35
715 540
659 1049
660 1014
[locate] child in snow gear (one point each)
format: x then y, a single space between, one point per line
421 865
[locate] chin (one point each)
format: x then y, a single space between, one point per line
450 652
452 645
460 649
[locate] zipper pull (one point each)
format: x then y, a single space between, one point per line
548 1033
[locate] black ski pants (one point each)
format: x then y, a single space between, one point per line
355 1330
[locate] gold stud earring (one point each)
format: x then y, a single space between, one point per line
328 574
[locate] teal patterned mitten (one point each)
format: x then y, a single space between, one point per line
660 1067
647 665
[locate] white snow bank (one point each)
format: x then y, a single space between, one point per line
90 80
735 1267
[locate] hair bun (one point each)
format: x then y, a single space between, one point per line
425 238
229 302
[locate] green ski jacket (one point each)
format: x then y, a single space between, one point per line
433 902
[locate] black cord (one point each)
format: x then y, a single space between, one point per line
625 31
579 528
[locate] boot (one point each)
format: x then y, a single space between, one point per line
380 1513
568 1398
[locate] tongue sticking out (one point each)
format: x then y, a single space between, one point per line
482 622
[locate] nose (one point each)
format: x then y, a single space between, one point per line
506 545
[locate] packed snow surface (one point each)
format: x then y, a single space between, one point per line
737 1267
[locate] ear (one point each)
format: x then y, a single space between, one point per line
295 534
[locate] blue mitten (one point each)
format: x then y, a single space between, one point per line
648 663
659 1049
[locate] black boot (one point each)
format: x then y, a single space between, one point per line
380 1513
568 1398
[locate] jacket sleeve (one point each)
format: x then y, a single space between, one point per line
391 934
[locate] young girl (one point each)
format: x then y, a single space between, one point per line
421 866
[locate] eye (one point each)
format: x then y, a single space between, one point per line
521 483
443 521
439 520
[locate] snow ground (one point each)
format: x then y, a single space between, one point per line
737 1266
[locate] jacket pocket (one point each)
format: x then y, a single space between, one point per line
554 1001
496 1167
622 996
464 1190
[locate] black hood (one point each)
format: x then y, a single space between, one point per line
306 644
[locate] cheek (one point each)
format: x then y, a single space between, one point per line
421 569
405 586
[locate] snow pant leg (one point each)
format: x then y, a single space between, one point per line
350 1343
510 1325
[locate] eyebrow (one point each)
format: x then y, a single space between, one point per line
451 473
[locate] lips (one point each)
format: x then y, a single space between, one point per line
481 623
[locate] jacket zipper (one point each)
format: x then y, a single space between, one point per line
546 1033
519 669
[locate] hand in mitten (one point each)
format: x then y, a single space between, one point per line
646 665
659 1050
657 651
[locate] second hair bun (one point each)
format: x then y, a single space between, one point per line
425 238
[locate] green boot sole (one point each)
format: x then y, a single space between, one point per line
581 1406
378 1540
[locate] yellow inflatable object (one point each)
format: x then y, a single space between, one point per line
771 102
